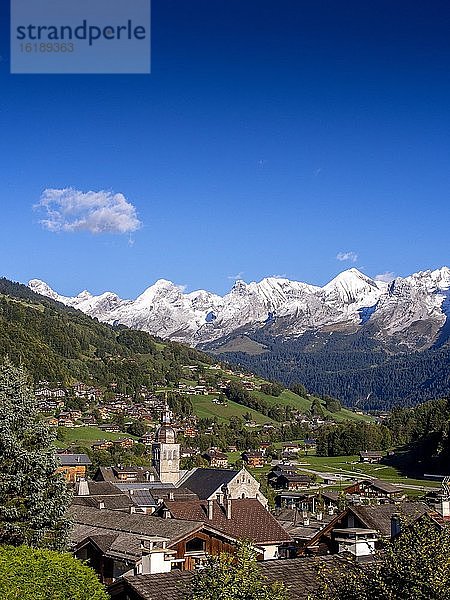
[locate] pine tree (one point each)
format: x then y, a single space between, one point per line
33 498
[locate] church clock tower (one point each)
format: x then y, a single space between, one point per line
165 450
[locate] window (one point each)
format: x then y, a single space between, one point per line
195 545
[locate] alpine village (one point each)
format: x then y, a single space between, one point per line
136 468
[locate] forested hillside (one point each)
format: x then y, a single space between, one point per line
425 431
58 343
353 368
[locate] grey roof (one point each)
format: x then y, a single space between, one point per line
119 502
102 488
159 491
73 460
379 517
384 486
108 521
143 498
299 575
141 474
204 482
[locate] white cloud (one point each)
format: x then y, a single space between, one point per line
344 256
236 277
70 210
387 277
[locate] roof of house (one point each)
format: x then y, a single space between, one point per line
109 522
300 576
141 474
370 453
379 517
73 460
143 498
204 482
119 502
384 486
99 488
249 519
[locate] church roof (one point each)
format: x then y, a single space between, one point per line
204 482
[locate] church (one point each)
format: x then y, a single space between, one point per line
207 484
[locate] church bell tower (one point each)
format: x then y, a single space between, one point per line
165 450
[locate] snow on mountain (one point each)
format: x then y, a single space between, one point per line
410 308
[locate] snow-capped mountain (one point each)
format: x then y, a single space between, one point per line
411 310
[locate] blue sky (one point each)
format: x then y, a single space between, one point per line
269 138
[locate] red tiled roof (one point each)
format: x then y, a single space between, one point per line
249 519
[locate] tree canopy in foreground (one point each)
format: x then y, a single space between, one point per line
414 566
33 498
35 574
234 577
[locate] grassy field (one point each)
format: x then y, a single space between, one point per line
350 464
204 408
86 436
288 398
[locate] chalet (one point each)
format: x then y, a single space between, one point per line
293 482
291 447
110 428
253 458
216 459
380 518
264 446
189 452
279 472
300 576
124 443
73 466
121 473
191 432
378 521
376 491
207 484
239 519
118 544
102 445
370 456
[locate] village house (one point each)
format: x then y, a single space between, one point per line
102 494
300 576
375 491
73 466
253 458
125 443
379 521
370 456
239 519
120 473
102 445
118 544
291 482
216 459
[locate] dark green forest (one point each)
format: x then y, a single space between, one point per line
353 368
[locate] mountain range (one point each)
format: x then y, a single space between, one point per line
281 328
410 311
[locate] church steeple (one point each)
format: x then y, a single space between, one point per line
165 450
